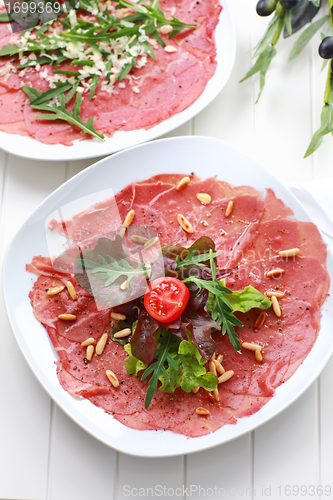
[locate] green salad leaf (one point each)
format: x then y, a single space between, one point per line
190 372
247 299
178 364
133 365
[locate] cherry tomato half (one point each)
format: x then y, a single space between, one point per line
165 299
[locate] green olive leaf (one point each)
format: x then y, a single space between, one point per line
306 36
326 126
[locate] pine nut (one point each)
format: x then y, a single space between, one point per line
274 272
67 317
88 341
112 377
213 357
292 252
89 352
184 223
276 294
71 290
216 395
229 208
129 218
204 198
101 343
117 316
170 48
123 286
122 333
150 242
139 239
276 306
166 29
219 368
183 183
212 367
220 358
202 411
195 390
55 290
251 347
258 355
260 320
122 232
226 376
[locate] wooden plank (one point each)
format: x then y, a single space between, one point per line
26 421
323 156
326 427
282 117
80 466
148 477
230 116
286 450
221 472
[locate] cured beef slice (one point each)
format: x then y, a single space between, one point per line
163 87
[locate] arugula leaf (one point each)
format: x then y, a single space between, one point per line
159 367
37 97
223 315
61 113
112 270
191 258
93 86
219 308
306 36
9 50
222 302
4 17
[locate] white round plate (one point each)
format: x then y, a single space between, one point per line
205 157
28 147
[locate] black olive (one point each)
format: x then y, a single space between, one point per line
288 4
326 48
265 7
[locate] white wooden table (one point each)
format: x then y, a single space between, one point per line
45 456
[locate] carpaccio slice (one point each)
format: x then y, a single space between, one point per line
163 87
249 240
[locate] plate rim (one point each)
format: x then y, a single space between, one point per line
204 442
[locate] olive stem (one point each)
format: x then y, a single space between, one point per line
279 12
330 11
328 86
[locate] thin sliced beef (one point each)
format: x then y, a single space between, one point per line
249 239
281 234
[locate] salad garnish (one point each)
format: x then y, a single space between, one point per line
170 342
98 47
